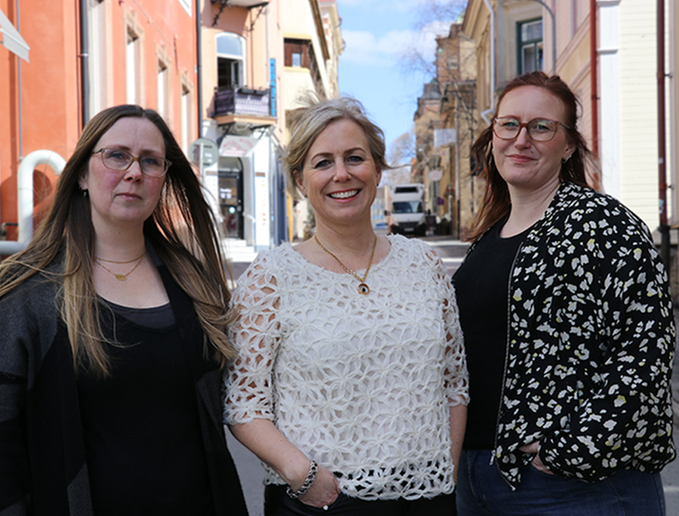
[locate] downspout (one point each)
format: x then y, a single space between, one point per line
19 99
25 197
594 74
491 38
662 174
84 63
199 66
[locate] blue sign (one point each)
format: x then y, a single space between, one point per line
274 91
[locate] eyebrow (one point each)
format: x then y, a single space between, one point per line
348 151
128 149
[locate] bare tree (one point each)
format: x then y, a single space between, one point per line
433 19
402 149
440 10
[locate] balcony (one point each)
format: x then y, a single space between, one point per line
242 3
241 102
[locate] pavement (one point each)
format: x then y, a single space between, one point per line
452 253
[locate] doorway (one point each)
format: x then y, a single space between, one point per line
231 198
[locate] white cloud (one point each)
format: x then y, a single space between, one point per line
363 47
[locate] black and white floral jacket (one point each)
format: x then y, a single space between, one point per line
590 344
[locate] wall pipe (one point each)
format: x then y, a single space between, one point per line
199 68
19 99
491 38
84 63
594 74
25 197
662 173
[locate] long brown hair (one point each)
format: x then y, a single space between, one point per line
496 202
181 229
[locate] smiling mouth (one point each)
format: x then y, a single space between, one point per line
344 195
520 157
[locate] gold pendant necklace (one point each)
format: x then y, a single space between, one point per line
120 277
363 288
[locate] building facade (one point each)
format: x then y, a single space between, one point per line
606 52
241 56
446 123
313 44
75 59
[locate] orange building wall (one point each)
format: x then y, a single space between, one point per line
50 83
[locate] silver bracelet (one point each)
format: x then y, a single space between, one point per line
311 476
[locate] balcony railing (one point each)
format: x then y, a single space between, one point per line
242 3
241 101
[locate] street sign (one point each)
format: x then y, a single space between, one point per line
203 152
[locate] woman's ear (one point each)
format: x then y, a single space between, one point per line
300 184
82 181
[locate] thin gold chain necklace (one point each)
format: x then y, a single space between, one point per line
127 261
120 277
363 288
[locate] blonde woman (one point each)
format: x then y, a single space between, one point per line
351 383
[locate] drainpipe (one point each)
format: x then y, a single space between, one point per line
662 175
491 38
594 74
19 99
25 197
199 65
84 62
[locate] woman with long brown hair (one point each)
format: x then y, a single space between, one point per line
115 336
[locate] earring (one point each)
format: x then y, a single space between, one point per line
564 160
85 193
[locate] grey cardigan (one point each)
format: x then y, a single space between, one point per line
43 468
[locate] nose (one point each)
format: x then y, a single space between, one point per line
523 138
133 172
341 172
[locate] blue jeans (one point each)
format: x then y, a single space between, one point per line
482 491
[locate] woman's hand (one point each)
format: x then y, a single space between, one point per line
323 491
537 461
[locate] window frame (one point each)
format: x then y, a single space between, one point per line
234 59
536 43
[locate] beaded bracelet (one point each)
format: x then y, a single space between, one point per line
311 476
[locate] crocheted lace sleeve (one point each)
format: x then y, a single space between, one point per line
255 333
456 375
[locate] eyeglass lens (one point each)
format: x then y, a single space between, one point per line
538 129
120 160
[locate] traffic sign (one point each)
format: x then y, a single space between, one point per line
203 152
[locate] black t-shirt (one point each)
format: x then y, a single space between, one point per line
482 288
141 425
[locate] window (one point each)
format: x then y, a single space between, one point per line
132 74
98 56
297 53
186 4
187 115
297 59
530 46
453 62
162 86
230 60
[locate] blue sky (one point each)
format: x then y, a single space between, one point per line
377 33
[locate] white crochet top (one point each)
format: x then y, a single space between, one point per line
360 383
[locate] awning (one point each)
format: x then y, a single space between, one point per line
236 146
12 39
